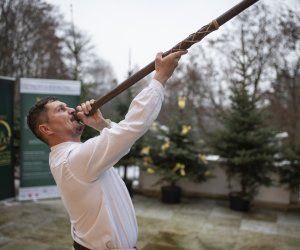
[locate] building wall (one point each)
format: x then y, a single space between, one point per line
217 187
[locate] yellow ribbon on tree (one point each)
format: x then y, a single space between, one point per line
181 168
145 150
185 129
181 102
165 146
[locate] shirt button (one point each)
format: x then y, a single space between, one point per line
109 245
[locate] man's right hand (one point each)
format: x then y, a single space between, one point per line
95 121
165 66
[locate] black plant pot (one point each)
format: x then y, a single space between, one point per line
171 194
238 202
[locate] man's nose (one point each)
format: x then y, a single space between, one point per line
71 110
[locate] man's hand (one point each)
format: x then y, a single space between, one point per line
165 66
95 121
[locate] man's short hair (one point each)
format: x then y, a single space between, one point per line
38 115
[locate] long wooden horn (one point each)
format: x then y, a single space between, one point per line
185 44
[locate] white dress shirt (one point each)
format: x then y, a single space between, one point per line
100 209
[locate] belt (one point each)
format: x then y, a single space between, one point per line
77 246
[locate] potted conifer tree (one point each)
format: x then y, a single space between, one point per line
246 146
172 154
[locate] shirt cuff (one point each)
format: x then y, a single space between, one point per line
109 125
157 86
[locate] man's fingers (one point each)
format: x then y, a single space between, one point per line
158 57
78 108
179 53
85 107
176 54
88 106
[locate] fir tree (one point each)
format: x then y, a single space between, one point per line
245 144
173 153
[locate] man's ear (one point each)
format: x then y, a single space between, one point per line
45 129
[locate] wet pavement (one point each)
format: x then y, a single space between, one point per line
195 224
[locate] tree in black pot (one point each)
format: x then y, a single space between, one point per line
246 143
172 153
247 147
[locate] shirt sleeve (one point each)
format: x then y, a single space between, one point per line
97 154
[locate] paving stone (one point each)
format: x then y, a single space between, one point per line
288 243
186 223
257 241
263 215
148 228
217 238
259 226
289 230
4 240
17 230
162 214
189 241
197 209
168 237
223 222
24 245
288 218
225 212
152 246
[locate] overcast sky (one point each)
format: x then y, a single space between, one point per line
142 26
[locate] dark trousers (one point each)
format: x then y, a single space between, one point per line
77 246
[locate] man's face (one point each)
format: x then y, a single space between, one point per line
61 121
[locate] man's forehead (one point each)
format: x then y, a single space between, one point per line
54 104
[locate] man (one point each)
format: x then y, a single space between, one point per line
100 209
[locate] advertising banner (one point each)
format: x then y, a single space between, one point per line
36 179
7 189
